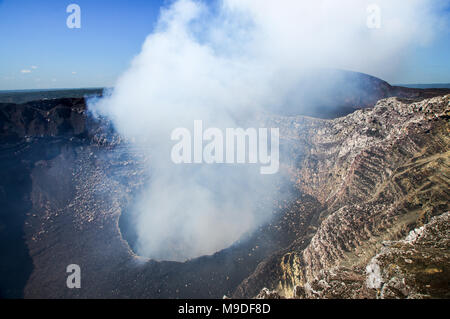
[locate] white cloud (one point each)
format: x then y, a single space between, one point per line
25 71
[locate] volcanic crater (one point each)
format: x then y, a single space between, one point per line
351 186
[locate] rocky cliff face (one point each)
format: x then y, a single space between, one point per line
416 267
380 173
358 185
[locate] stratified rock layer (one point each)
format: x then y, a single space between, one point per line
380 173
416 267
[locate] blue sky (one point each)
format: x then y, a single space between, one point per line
39 51
34 33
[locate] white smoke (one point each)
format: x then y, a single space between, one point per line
221 61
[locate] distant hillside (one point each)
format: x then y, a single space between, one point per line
329 93
427 86
23 96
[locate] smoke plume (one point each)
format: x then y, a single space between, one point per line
221 62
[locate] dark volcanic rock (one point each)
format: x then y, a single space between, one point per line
24 96
63 117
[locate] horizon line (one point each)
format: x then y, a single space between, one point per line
110 87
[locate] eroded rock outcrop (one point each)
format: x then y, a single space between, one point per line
415 267
380 173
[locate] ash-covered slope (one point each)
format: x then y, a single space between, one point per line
355 182
380 173
30 134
